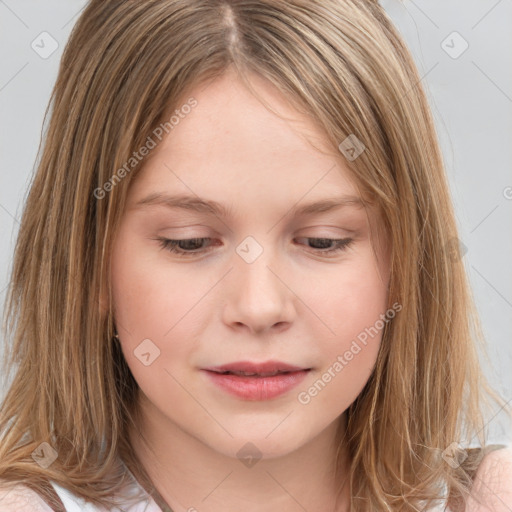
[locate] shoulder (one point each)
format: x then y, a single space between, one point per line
492 487
20 498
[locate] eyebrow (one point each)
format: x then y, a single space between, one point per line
201 205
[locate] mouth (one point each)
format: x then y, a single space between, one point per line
256 381
263 369
252 374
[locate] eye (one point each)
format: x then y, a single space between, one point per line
186 247
329 245
193 246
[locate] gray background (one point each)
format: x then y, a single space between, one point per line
470 92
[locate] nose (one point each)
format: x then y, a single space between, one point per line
258 297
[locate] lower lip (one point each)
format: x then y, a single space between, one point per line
257 388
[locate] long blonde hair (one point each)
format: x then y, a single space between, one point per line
342 63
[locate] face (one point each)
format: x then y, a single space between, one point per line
259 279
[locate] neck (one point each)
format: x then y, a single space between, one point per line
187 474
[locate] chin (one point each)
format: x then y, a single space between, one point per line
258 443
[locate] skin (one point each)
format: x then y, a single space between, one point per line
292 303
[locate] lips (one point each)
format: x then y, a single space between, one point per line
256 381
248 368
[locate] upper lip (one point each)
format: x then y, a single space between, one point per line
257 368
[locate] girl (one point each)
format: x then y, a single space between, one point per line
237 280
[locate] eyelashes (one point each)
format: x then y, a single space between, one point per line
173 246
186 248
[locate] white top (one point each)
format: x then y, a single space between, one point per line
23 499
493 485
20 498
73 503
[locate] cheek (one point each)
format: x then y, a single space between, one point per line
347 298
153 302
150 295
351 304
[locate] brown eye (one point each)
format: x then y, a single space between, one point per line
185 247
325 245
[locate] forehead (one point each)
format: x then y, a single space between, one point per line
231 135
231 150
232 124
